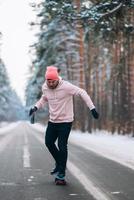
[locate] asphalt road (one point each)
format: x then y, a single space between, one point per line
25 166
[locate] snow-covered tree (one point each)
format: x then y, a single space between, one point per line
92 42
11 108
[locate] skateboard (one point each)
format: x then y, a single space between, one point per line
60 182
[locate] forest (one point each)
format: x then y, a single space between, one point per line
92 44
11 108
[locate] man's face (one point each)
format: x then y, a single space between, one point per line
52 84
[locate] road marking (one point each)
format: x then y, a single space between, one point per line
26 157
115 192
26 153
96 192
8 184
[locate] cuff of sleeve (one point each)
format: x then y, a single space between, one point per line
91 108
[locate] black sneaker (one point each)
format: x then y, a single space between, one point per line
54 171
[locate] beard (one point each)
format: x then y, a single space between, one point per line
53 86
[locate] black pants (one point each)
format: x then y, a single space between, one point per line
59 132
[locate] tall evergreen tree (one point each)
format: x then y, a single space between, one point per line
89 41
11 108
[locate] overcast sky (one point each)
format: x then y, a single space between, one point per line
17 36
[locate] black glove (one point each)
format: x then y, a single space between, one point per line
95 113
32 110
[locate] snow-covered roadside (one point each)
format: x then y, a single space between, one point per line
3 124
114 147
4 127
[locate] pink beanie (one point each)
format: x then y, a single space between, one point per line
52 73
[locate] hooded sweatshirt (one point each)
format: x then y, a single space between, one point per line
60 101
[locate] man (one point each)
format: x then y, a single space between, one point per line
59 96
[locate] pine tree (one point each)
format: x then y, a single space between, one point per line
93 45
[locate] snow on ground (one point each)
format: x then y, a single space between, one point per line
2 124
115 147
5 126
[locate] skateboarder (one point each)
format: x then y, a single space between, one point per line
59 94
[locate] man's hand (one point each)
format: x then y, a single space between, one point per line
95 113
32 110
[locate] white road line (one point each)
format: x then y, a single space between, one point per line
26 153
96 192
26 157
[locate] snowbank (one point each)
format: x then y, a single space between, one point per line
5 126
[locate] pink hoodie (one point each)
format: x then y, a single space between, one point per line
60 101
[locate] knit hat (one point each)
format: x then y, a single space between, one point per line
52 73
